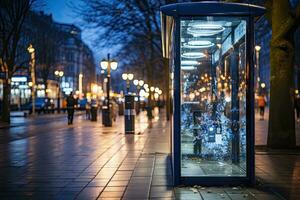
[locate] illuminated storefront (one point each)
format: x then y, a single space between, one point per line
20 91
210 50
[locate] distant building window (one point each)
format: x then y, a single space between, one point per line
74 32
70 41
70 56
70 68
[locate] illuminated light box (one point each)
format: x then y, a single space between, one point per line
193 55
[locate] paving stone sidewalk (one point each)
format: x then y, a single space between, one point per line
88 161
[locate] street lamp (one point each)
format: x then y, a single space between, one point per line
80 77
141 83
135 82
108 64
146 85
138 84
156 89
31 50
58 74
257 50
127 77
152 88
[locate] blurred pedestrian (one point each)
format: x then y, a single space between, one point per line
94 109
70 108
114 110
262 104
88 110
64 105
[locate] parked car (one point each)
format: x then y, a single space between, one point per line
82 104
41 105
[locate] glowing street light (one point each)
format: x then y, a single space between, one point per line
127 77
31 50
59 74
130 76
257 50
135 82
108 64
138 84
156 89
141 83
124 76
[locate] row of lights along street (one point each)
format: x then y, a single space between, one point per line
142 89
109 65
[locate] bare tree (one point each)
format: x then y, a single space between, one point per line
133 23
284 21
12 17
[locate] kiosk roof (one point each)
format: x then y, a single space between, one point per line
206 8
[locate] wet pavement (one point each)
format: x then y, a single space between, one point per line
261 129
51 160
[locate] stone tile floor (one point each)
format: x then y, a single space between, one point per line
88 161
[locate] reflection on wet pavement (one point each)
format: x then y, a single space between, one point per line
88 161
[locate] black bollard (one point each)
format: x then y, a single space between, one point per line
129 114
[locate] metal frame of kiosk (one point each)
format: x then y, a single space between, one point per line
212 126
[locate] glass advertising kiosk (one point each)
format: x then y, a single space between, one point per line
210 48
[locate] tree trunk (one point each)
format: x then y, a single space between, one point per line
166 87
150 83
5 115
281 117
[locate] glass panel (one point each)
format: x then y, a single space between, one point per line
213 96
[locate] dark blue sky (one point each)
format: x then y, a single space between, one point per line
61 12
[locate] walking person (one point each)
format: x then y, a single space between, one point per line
70 108
262 104
88 110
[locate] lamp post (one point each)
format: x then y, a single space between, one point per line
127 77
138 84
31 50
108 64
257 49
59 74
80 77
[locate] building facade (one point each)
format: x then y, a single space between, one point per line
76 59
70 55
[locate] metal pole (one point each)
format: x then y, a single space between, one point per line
258 74
127 85
33 81
139 98
58 96
20 98
108 88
